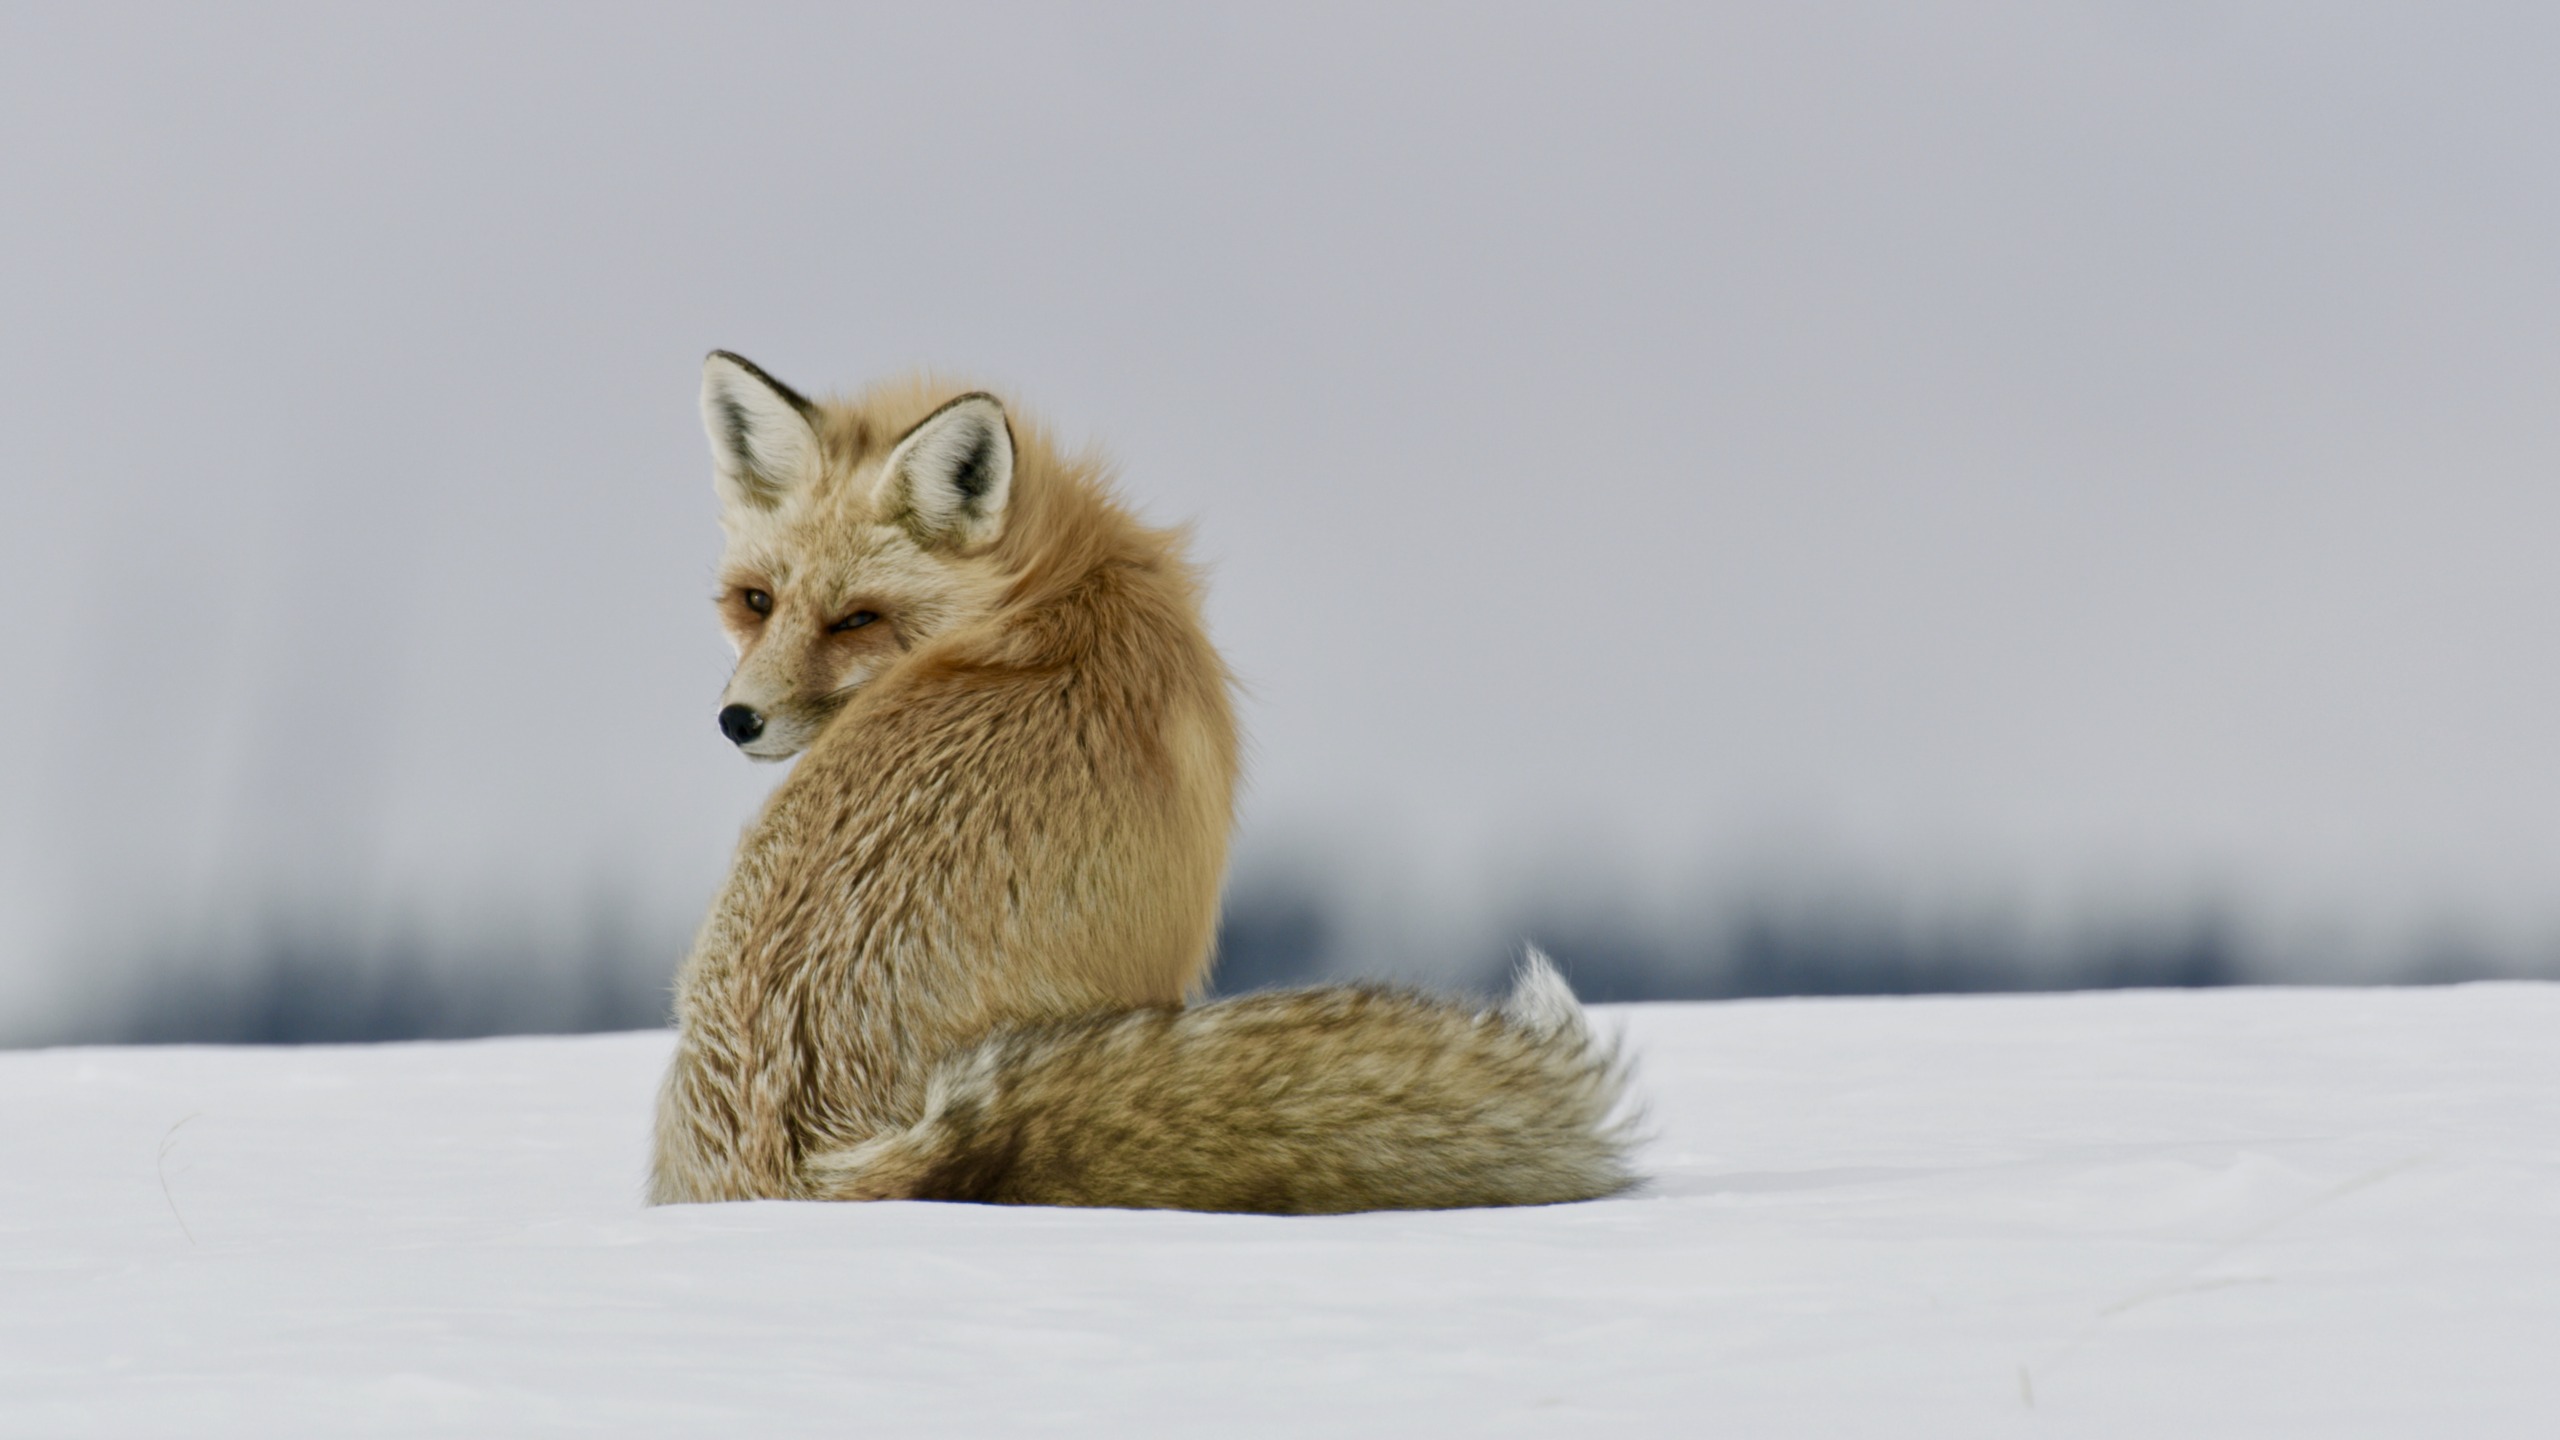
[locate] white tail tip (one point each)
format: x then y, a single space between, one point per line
1541 1003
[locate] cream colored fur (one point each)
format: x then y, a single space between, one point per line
952 957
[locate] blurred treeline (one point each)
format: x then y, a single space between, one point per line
291 978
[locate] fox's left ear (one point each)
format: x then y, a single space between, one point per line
948 481
764 439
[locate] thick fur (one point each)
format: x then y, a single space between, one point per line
956 944
1295 1102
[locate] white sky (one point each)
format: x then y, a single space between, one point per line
2065 455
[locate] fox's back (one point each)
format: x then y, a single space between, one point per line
992 836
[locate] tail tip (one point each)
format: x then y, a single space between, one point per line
1540 1001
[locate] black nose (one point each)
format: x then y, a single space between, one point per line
740 724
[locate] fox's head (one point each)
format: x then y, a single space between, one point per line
857 532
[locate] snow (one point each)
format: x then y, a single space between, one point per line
2246 1213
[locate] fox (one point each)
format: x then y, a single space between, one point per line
961 950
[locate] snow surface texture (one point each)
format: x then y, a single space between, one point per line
2244 1213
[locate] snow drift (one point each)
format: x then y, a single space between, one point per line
2248 1213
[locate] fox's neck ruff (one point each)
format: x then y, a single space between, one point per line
1067 527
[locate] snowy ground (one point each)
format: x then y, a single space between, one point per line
2245 1213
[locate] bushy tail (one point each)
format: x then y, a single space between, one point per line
1293 1102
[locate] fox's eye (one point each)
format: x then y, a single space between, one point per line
854 621
759 602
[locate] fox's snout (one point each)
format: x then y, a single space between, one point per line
740 723
769 726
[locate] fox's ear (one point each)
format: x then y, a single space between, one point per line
764 441
949 479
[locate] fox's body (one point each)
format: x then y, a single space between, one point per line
951 957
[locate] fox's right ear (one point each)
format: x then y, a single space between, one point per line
949 479
764 437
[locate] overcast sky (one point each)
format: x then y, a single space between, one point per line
2069 455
